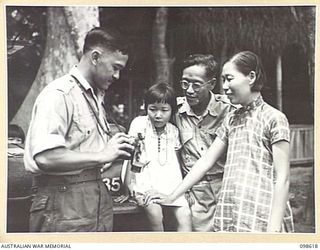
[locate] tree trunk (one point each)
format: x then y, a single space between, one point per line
163 64
279 82
66 29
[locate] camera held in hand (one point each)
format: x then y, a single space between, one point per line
139 161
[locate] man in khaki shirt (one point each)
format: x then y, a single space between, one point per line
200 113
69 142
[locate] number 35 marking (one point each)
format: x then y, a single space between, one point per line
112 184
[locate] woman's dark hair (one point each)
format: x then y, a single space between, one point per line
161 93
207 61
110 39
247 61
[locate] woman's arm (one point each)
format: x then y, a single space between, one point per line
198 170
281 187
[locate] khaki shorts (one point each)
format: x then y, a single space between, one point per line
203 198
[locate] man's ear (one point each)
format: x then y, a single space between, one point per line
95 56
252 77
213 83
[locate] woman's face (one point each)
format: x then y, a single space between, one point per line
236 85
159 114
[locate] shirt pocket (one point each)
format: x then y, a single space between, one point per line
211 133
82 127
87 123
186 136
207 136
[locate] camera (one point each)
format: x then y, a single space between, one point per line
138 160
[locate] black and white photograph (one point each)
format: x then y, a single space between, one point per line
195 119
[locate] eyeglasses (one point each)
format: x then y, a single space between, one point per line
195 85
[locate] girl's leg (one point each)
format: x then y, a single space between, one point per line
155 217
183 217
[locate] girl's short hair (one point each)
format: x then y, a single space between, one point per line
161 93
247 61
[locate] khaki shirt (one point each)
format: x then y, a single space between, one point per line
198 133
62 117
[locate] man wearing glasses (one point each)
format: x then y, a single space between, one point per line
200 113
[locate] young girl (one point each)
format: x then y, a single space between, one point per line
155 166
255 186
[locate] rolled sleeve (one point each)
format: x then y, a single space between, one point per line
50 142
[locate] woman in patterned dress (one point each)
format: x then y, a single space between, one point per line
255 186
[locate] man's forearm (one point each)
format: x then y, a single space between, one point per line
65 160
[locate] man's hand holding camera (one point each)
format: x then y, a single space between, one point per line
120 145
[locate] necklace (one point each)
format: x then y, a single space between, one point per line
162 161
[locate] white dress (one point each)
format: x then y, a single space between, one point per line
162 173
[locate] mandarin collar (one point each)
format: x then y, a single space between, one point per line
251 106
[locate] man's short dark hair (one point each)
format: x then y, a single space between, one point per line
207 61
108 38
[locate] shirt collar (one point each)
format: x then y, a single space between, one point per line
212 107
84 83
77 74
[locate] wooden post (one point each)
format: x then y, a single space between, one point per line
279 83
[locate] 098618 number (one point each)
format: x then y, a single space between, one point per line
308 245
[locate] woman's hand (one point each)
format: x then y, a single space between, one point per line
153 196
122 198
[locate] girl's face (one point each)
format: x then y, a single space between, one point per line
159 114
236 85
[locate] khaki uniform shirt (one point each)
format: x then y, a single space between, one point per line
198 132
64 115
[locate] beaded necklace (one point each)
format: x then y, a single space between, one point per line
162 163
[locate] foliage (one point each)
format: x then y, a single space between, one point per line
267 29
26 35
217 30
26 26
